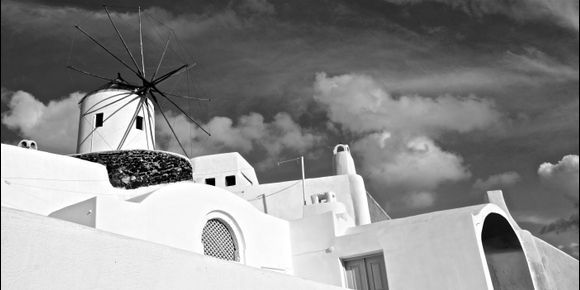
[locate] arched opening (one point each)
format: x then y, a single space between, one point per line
504 254
219 241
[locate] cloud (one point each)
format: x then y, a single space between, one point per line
562 176
407 164
562 224
5 96
571 249
497 181
251 134
537 66
561 12
396 136
361 104
53 126
258 6
421 199
534 218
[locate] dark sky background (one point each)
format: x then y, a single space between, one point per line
439 100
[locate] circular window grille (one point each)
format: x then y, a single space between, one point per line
218 241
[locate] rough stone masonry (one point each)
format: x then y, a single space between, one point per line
131 169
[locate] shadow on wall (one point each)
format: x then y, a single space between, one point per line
504 254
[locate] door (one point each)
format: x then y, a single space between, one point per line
366 273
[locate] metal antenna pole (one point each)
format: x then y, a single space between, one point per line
301 159
303 180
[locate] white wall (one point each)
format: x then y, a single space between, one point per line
43 182
71 256
175 215
438 250
219 166
109 136
284 199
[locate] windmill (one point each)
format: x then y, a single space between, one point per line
121 115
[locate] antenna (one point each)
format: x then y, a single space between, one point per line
301 159
147 91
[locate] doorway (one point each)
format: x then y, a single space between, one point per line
366 273
505 257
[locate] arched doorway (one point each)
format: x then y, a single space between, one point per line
505 257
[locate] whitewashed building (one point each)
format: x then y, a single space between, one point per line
155 220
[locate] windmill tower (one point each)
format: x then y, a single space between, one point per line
130 120
121 115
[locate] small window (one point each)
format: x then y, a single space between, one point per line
210 181
99 120
230 180
139 123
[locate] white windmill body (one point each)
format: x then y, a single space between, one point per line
121 115
115 118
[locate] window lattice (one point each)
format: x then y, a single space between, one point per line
218 241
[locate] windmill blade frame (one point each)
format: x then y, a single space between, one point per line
145 92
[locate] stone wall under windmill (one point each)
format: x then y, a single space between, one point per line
131 169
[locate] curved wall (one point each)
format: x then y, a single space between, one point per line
120 105
507 263
176 214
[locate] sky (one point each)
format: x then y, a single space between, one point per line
439 100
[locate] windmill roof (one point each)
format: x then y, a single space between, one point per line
113 85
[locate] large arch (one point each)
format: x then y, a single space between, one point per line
505 257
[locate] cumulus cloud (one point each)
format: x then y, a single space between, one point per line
562 176
397 136
53 126
362 104
249 134
410 164
497 181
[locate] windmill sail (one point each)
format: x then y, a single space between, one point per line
120 115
